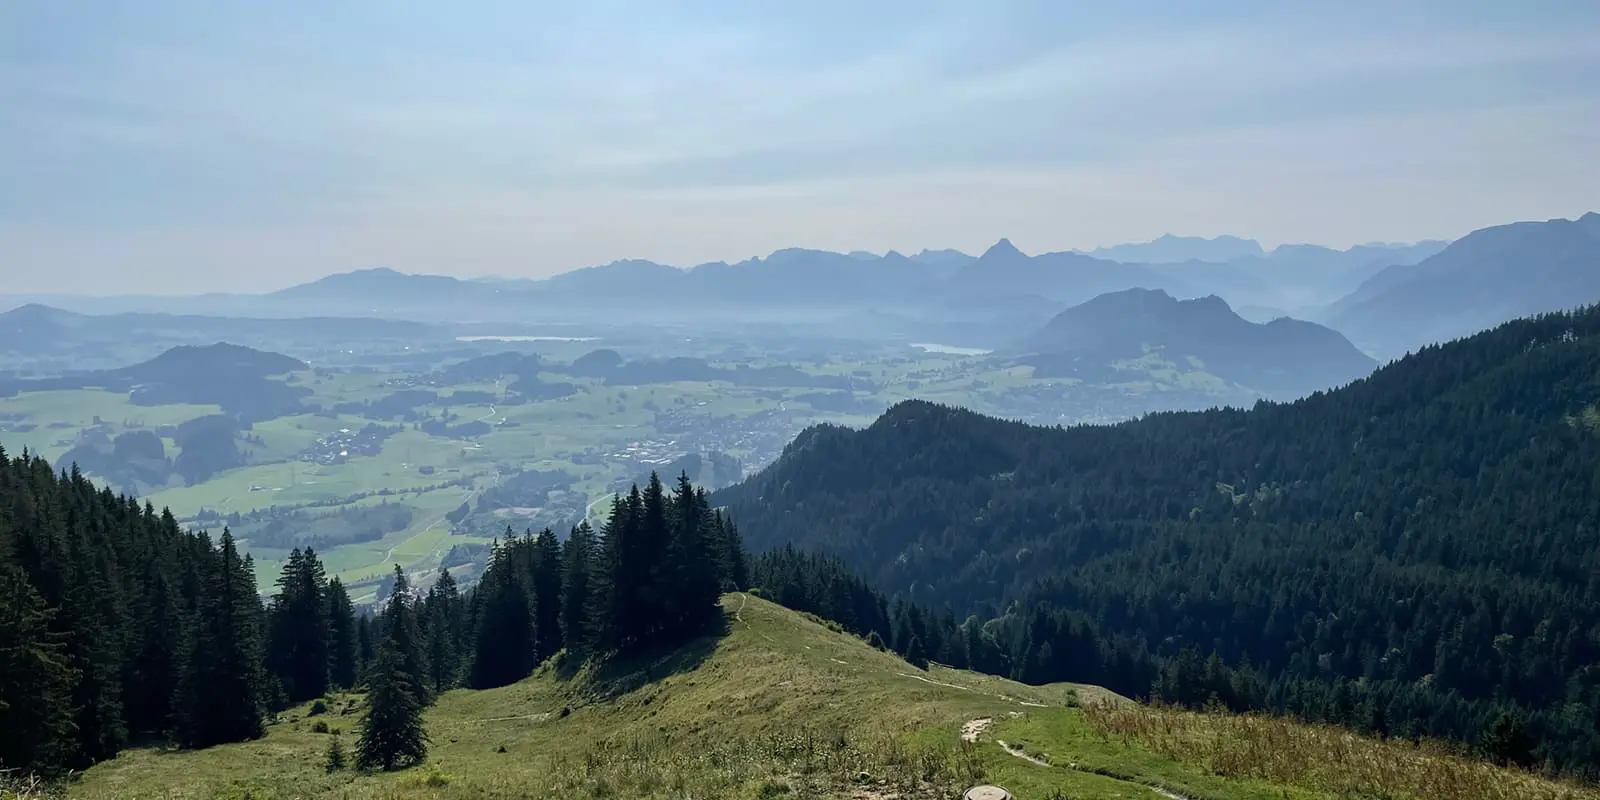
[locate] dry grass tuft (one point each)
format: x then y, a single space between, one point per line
26 787
1321 758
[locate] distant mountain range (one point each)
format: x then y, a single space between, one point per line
46 336
1170 249
1284 358
1386 297
1485 278
795 279
1294 277
1291 276
802 281
1064 277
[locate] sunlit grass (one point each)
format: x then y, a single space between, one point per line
783 706
1321 758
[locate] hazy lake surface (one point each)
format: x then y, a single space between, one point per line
950 349
527 338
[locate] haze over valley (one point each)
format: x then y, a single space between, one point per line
466 407
877 402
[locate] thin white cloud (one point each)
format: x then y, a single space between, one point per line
255 162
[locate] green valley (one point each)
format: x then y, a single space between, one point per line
523 438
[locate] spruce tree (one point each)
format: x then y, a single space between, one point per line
622 572
298 648
280 642
157 665
915 654
443 611
392 735
975 652
695 560
735 562
1506 740
651 578
92 613
36 680
577 584
335 760
505 646
546 591
342 637
655 600
403 631
219 697
366 643
603 599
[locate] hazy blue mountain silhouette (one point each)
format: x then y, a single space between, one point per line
1170 249
805 280
1064 277
1485 278
1282 358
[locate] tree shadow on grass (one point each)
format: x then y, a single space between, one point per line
619 674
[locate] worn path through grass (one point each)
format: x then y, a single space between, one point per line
779 705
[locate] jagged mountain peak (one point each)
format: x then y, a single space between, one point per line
1002 249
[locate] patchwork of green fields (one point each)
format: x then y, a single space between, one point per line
60 415
594 437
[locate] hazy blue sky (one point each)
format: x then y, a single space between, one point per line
188 146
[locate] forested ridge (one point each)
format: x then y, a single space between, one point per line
117 626
1417 553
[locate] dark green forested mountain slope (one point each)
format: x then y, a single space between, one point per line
1419 550
114 622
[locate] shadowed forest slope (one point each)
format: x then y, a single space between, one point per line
1415 553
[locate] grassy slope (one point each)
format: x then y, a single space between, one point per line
780 706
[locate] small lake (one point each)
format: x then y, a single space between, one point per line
527 338
950 350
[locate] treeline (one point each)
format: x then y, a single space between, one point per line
650 579
1415 554
115 622
1044 644
118 625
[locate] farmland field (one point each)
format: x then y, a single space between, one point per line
469 458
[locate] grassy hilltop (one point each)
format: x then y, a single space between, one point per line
785 706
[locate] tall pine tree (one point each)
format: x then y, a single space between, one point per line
445 620
546 587
35 680
298 650
504 647
735 561
693 561
342 637
219 696
403 632
392 735
619 611
577 586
